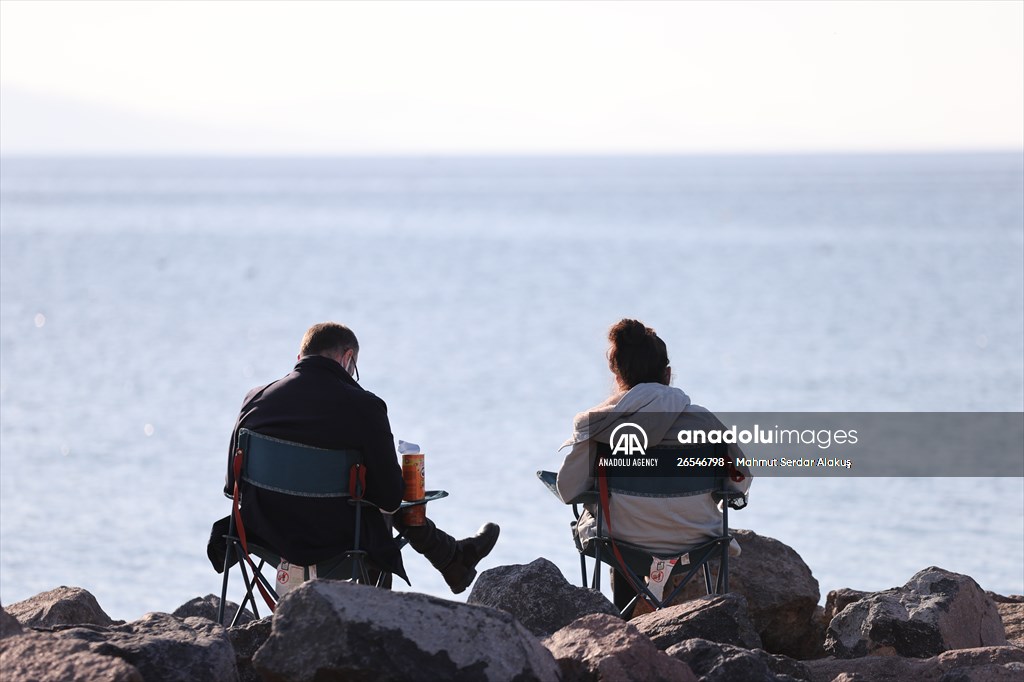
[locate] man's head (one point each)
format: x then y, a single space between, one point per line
334 341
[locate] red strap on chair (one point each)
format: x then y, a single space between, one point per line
357 481
602 486
735 474
237 512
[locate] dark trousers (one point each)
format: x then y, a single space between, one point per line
433 543
622 591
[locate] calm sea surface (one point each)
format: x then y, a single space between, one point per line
140 300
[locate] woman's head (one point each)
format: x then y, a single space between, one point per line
637 355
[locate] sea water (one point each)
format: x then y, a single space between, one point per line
141 298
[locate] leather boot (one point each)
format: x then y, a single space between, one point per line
461 570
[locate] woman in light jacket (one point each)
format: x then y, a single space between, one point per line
639 360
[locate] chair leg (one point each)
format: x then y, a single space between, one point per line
249 598
707 578
223 595
383 580
627 610
723 570
358 569
229 550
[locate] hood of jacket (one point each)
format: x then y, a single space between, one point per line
660 404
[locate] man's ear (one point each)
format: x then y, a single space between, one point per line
667 379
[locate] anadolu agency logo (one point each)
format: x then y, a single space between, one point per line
628 439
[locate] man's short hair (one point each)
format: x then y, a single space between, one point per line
328 337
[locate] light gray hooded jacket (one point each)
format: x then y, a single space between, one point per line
660 524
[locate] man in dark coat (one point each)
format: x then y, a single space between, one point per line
321 404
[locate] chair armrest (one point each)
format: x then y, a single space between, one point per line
548 478
586 497
430 496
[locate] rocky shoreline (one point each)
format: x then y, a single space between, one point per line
526 622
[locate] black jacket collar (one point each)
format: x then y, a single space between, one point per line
321 363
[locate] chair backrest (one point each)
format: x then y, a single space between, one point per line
679 472
295 469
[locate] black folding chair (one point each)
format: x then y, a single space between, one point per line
632 561
300 471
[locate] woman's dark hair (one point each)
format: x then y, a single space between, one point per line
637 355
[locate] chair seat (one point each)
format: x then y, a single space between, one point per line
639 558
338 567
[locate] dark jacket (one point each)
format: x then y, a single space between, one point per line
319 404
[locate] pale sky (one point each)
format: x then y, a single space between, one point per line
515 77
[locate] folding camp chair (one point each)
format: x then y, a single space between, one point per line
301 471
632 562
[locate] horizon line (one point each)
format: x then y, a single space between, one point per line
141 155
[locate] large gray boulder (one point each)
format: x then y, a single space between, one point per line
722 618
782 594
60 606
717 662
538 595
246 641
163 647
936 611
207 607
355 632
603 647
987 664
44 657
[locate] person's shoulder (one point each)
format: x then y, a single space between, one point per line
255 391
369 400
698 414
607 404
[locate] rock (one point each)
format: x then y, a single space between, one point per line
987 664
603 647
1012 615
717 662
538 595
163 647
782 595
837 600
1003 599
990 664
934 612
9 625
246 641
206 607
61 606
722 618
873 669
44 657
347 631
1011 610
816 631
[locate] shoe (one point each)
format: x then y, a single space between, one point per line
461 570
